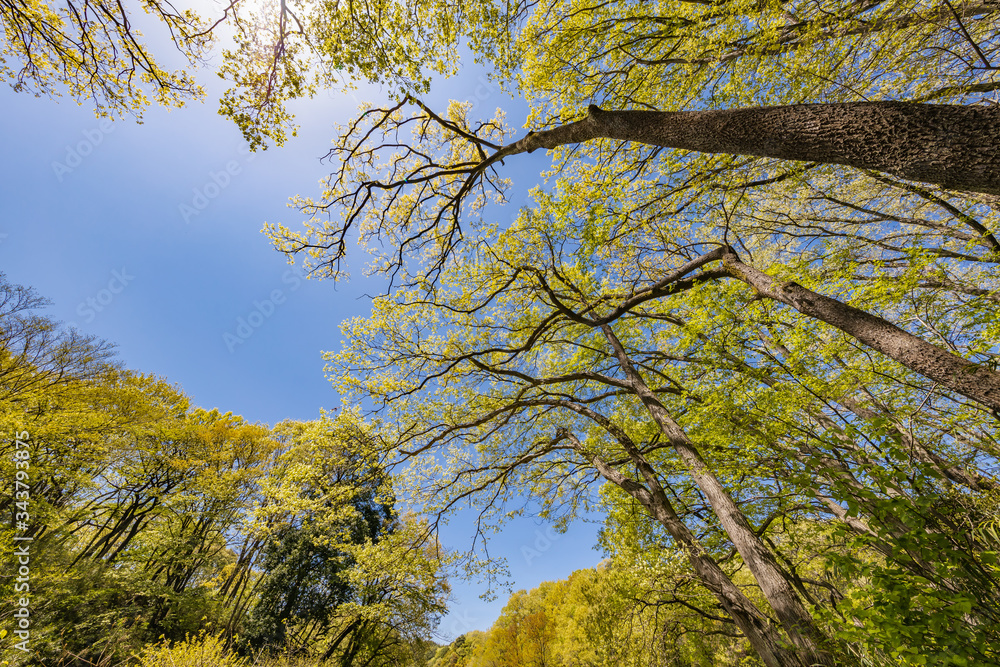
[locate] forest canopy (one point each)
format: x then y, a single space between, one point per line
749 313
150 520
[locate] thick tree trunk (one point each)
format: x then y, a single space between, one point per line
957 147
779 592
949 370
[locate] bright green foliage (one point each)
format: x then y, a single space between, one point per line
562 55
328 497
692 55
277 52
666 56
288 54
872 489
460 653
618 614
852 469
204 650
521 636
93 50
154 521
307 45
343 576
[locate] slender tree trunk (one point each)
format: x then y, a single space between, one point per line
780 594
748 618
957 474
248 551
140 522
950 370
957 147
104 542
336 642
970 478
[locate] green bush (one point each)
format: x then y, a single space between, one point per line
203 650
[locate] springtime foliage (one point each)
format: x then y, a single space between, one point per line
750 315
154 520
782 368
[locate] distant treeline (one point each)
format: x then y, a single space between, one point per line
149 521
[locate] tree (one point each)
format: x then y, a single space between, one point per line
435 192
93 50
535 405
566 54
510 366
342 575
587 350
286 52
329 496
151 519
615 203
523 636
646 69
623 612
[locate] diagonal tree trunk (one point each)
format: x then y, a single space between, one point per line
762 636
950 370
957 147
780 594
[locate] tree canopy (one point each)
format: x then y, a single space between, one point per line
750 314
741 341
150 519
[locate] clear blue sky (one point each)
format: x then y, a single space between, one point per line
93 216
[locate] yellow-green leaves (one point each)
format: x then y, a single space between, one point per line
94 51
288 52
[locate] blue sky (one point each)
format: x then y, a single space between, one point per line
148 235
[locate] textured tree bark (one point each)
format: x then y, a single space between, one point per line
957 147
950 370
779 592
765 641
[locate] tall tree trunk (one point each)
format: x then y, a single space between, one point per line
779 592
950 370
768 644
336 642
953 146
